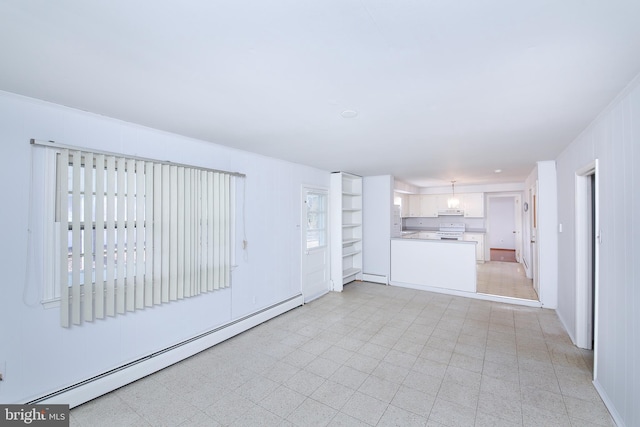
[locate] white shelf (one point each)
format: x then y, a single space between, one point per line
346 229
349 272
347 254
350 241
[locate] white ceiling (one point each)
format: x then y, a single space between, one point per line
442 89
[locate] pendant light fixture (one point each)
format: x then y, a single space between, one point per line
453 202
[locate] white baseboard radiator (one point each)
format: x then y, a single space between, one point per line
106 382
375 278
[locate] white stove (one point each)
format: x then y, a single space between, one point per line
451 231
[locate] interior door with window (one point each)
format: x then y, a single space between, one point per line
315 244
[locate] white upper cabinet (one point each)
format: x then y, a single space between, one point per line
429 205
404 203
414 205
472 204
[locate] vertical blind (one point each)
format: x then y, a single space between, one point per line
136 233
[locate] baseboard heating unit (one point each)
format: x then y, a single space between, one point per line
375 278
106 382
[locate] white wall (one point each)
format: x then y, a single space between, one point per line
377 202
42 357
613 139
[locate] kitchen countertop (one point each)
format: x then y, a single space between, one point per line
435 240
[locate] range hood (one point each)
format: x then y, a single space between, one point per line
450 212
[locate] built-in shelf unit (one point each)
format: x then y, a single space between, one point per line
346 229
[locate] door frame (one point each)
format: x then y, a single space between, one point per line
303 242
587 263
517 201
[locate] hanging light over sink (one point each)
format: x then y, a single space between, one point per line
453 202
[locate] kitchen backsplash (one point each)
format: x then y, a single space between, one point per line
434 223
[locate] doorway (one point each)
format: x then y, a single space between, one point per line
586 223
502 217
315 243
504 273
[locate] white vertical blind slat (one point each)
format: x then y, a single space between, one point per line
187 233
87 299
157 233
173 233
195 226
181 231
99 242
165 233
121 204
216 232
110 297
140 234
76 233
204 247
148 237
212 249
225 228
131 236
62 169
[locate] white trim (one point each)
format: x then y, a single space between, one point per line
91 388
584 258
611 407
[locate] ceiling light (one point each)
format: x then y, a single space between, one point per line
349 114
498 170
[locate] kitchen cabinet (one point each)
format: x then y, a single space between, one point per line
472 205
479 238
346 229
429 205
404 203
414 205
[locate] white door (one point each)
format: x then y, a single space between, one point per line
315 243
518 228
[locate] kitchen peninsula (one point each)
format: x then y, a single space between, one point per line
434 264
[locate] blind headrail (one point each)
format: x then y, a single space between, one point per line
54 144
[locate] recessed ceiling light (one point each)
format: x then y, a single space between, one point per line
349 114
498 170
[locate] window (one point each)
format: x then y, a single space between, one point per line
316 220
135 233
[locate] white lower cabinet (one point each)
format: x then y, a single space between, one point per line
476 237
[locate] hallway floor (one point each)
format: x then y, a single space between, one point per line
506 279
373 355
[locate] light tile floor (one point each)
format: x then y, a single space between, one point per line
506 279
373 355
